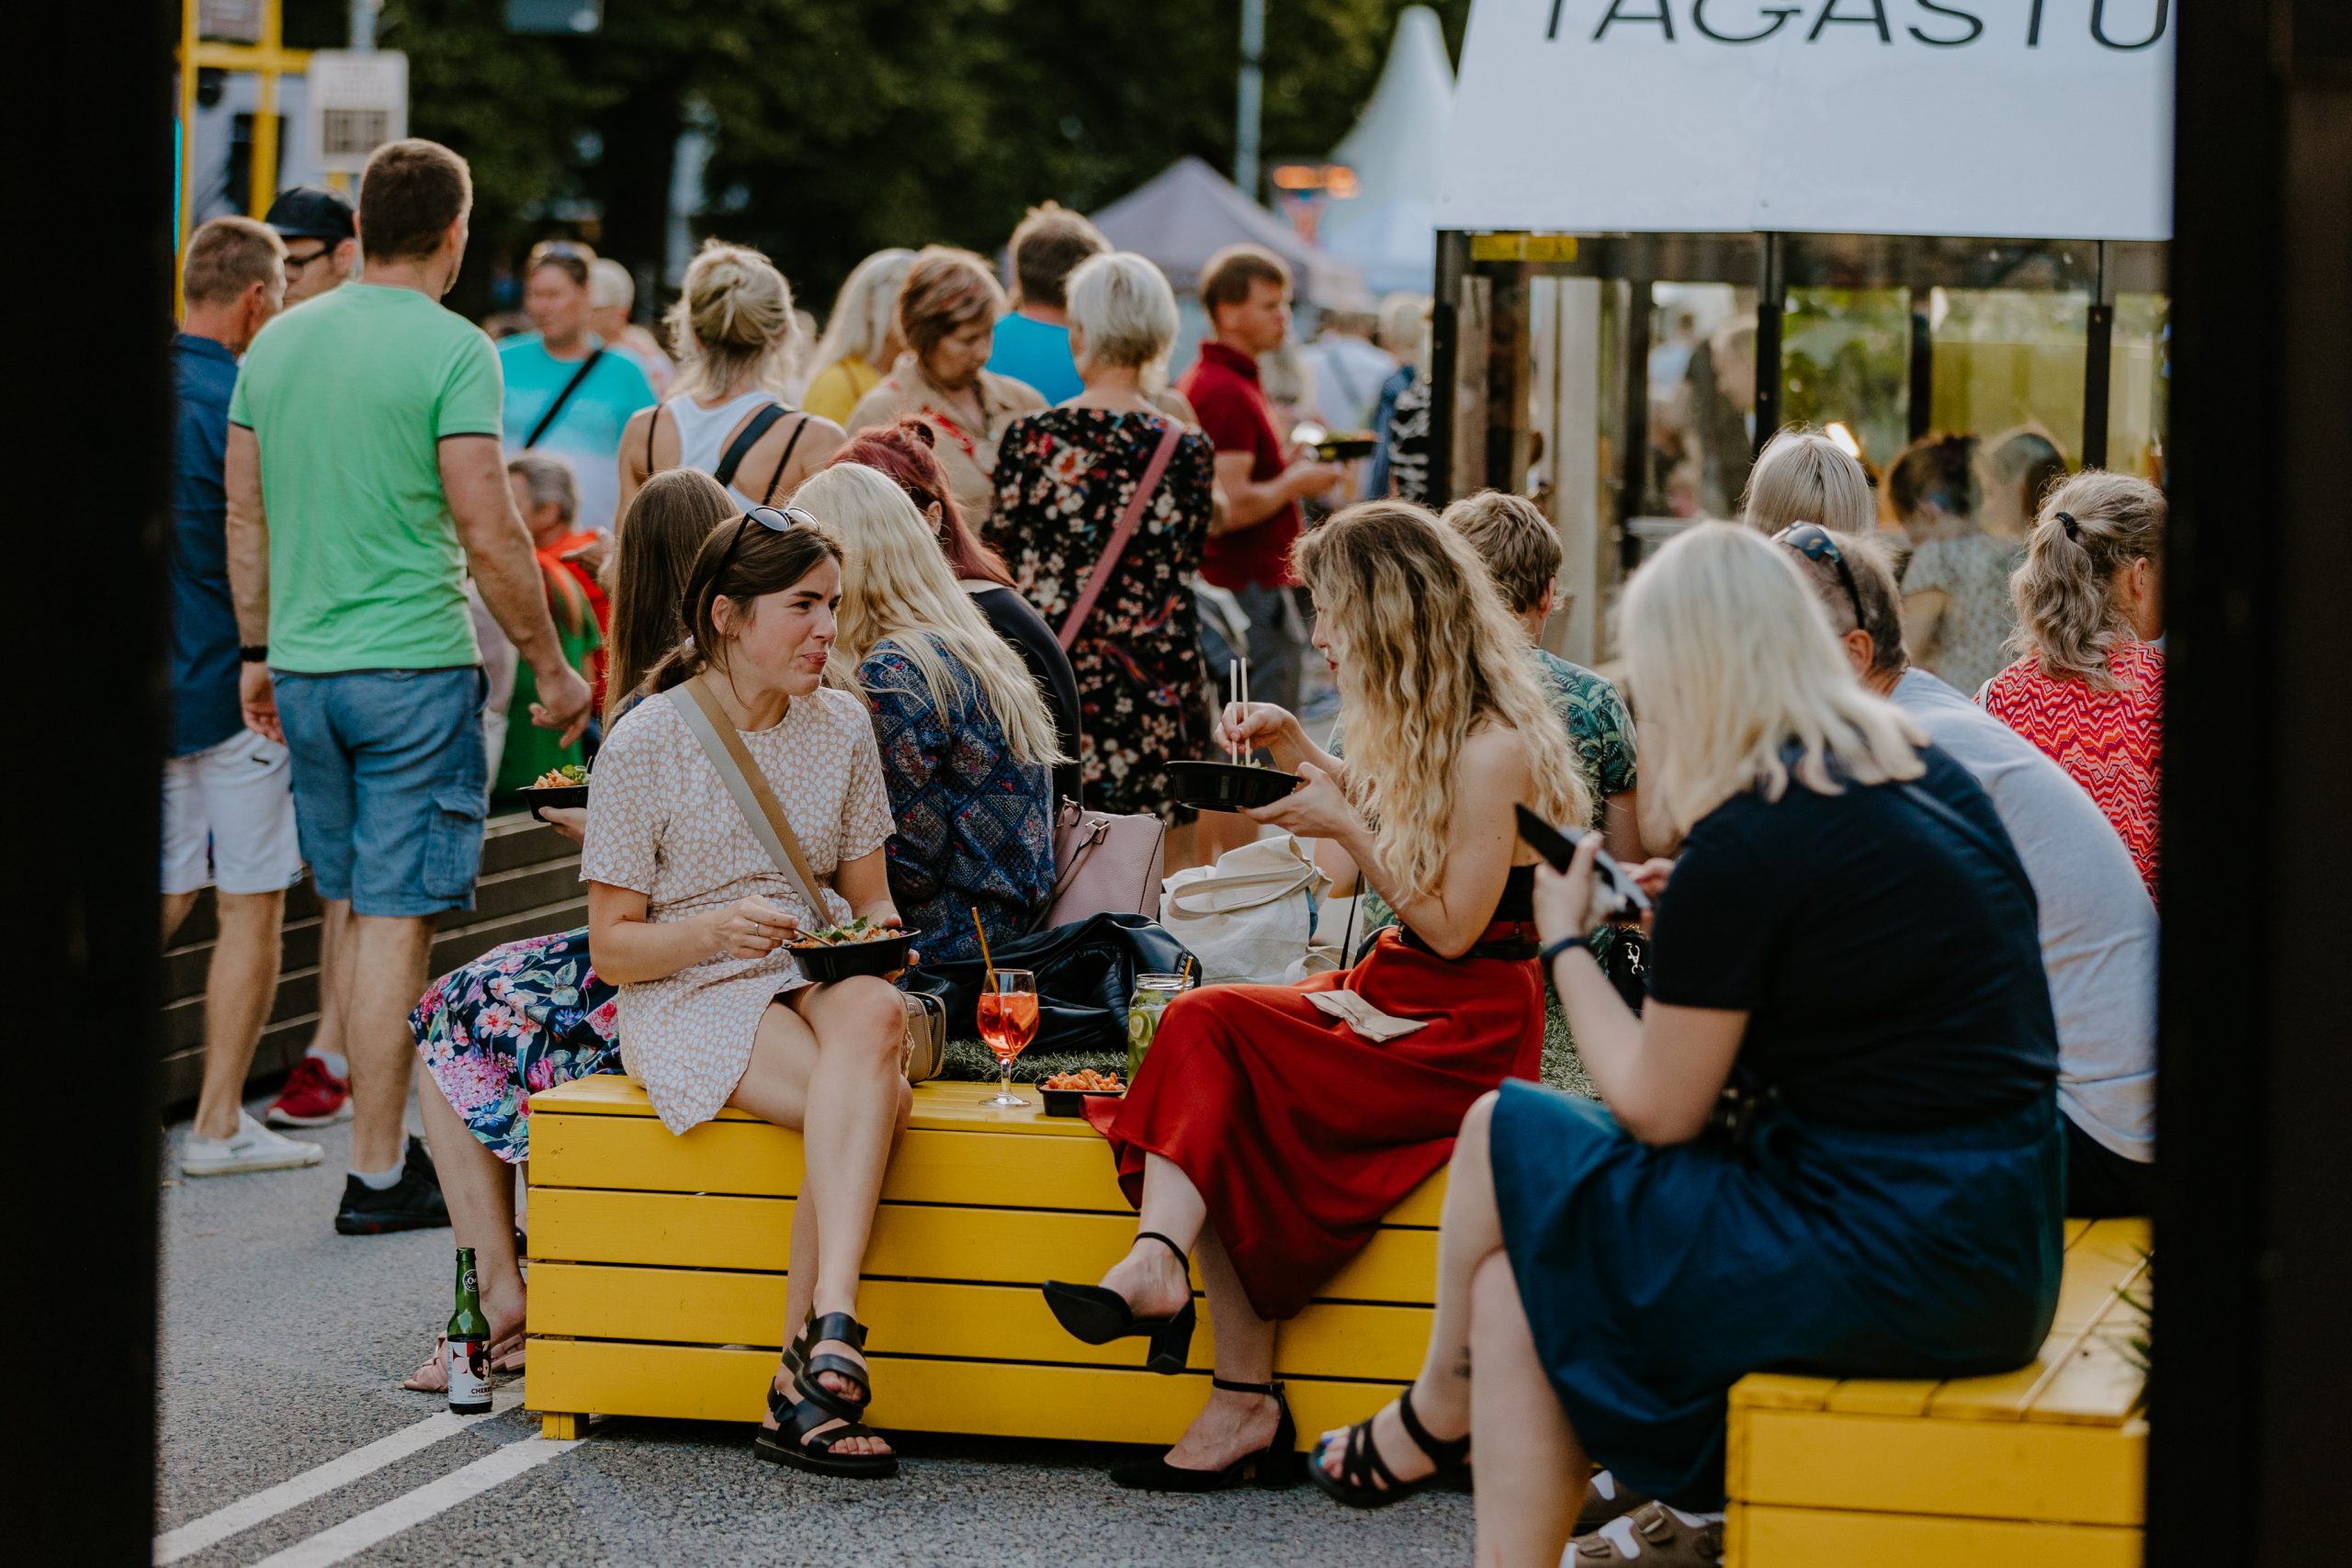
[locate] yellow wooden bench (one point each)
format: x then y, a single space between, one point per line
657 1278
2033 1469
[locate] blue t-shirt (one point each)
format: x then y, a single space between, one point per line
204 620
1038 353
587 434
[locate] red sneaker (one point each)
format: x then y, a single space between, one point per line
312 1097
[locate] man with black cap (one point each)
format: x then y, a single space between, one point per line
322 242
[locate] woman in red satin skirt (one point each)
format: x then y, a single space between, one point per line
1267 1134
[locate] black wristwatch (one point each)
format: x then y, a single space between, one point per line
257 654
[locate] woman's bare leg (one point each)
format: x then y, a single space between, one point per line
480 1188
819 1065
1532 1472
1150 1279
1470 1232
1229 1425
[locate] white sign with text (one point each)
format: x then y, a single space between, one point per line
2032 118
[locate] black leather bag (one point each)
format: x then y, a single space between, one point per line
1086 972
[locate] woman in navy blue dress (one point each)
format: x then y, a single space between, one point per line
1847 941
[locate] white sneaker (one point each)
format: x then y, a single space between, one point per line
254 1147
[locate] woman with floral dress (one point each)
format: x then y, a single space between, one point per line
1064 476
966 743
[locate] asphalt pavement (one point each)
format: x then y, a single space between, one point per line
287 1440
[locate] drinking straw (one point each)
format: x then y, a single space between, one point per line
986 961
1184 971
1233 693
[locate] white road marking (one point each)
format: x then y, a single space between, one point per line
246 1512
387 1520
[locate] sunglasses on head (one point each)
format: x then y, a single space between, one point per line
1815 542
773 519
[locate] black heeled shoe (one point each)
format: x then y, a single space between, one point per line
1098 1315
1273 1467
1365 1481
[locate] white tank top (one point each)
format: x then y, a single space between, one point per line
703 432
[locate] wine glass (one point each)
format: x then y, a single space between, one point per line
1008 1015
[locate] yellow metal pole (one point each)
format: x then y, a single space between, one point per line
187 142
263 179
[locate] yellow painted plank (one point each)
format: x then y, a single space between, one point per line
2075 1229
2030 1470
1881 1396
929 1318
1045 1167
1789 1538
1778 1391
988 1399
1020 1246
938 1104
2081 1379
563 1427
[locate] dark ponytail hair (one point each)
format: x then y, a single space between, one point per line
741 560
2091 528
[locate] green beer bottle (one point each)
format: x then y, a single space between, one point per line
467 1355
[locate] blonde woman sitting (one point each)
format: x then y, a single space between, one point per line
690 917
1847 939
966 743
1272 1126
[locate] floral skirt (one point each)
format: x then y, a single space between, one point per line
520 1019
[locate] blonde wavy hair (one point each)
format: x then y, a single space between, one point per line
865 314
2091 528
897 585
1427 655
733 319
1735 663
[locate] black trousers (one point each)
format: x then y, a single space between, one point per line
2102 1184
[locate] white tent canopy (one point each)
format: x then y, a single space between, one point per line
1830 117
1388 229
1188 212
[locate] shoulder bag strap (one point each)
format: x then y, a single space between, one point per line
759 424
651 426
747 786
555 408
1100 578
2005 857
785 461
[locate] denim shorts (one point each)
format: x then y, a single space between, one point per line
391 784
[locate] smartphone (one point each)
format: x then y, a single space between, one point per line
1558 846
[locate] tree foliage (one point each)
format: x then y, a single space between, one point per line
840 125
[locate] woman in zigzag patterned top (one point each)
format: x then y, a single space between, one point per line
2090 688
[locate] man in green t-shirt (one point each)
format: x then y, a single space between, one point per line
364 477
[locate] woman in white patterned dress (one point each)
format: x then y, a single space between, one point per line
689 916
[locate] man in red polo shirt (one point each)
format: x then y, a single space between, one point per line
1246 293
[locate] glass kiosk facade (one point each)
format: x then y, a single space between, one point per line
1627 380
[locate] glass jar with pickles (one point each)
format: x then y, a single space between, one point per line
1153 993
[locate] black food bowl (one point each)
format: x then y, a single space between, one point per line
1346 448
1227 786
563 796
825 963
1072 1102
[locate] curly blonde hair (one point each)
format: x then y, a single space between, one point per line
2091 528
1427 655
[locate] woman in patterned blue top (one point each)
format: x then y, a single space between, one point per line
967 742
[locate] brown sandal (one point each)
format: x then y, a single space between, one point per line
1663 1541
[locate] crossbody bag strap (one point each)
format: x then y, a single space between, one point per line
760 423
1129 520
2005 857
587 367
747 786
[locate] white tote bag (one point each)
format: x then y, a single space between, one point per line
1251 917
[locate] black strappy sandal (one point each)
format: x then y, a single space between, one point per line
1097 1316
800 1360
1273 1467
791 1443
1365 1481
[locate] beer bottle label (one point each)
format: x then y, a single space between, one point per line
468 1366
